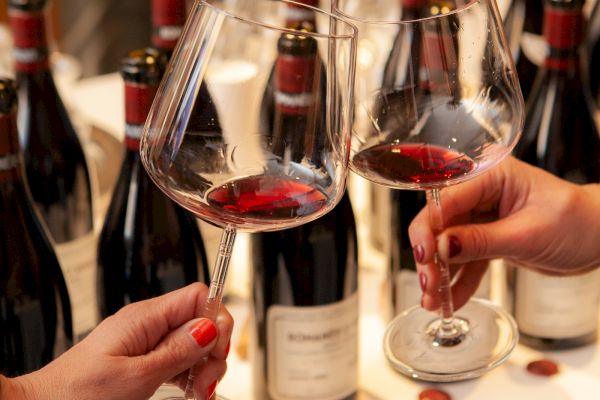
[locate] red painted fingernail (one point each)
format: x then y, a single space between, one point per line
204 332
210 391
454 246
423 281
227 348
418 253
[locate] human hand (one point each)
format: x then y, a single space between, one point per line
130 354
514 211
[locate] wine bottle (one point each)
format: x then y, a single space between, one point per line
514 22
593 42
168 19
395 72
304 343
56 166
531 47
55 162
560 135
406 291
149 245
35 322
297 17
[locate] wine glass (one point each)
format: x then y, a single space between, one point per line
437 102
207 145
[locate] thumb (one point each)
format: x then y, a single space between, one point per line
180 350
473 242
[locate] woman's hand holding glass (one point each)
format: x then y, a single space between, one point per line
516 212
130 354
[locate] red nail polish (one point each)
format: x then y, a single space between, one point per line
210 391
418 253
204 332
423 281
454 246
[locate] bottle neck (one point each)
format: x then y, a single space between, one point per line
30 43
438 57
168 19
295 83
138 101
563 31
10 152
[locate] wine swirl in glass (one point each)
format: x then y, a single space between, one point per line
204 143
442 106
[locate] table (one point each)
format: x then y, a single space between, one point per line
99 102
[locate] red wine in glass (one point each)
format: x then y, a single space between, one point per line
267 196
402 163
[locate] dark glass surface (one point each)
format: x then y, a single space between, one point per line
148 246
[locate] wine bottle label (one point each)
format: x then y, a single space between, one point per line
8 162
557 307
166 36
312 351
30 48
295 80
78 262
168 18
138 101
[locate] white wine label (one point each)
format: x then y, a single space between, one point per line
169 32
294 99
299 14
134 131
408 290
78 262
29 55
557 307
313 351
9 162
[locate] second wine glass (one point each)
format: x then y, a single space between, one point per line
206 143
444 105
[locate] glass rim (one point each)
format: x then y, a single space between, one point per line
292 31
464 7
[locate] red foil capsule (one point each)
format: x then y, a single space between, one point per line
138 100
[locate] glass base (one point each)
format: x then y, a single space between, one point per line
484 337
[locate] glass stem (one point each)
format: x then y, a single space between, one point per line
215 295
446 333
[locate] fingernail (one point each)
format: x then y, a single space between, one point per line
422 301
210 391
454 247
204 332
227 348
423 281
418 253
